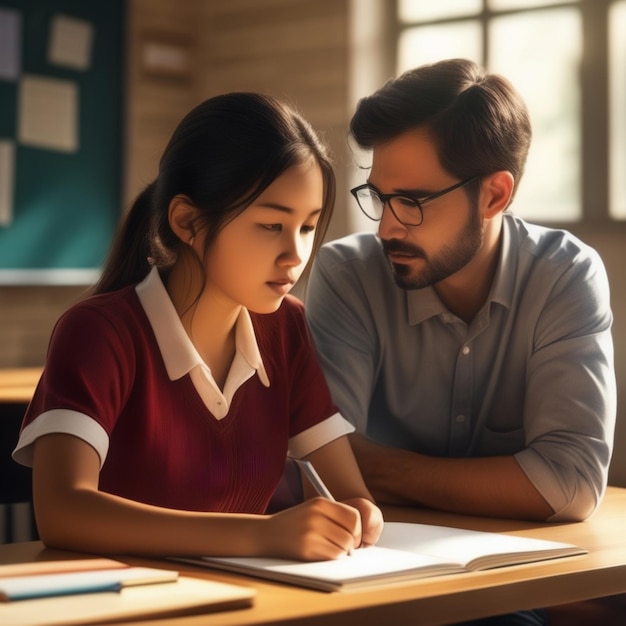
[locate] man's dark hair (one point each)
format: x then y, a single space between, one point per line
478 121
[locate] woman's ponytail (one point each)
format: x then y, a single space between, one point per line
129 260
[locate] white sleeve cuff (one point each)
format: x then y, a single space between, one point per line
319 435
66 422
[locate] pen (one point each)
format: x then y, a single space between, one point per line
315 479
317 482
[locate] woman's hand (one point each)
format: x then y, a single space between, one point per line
371 520
316 530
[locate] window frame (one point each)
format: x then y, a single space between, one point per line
595 102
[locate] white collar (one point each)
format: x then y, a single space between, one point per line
179 354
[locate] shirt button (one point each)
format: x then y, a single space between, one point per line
466 350
460 419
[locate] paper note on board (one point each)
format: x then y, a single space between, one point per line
48 113
70 42
10 44
7 170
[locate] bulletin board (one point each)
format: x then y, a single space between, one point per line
61 137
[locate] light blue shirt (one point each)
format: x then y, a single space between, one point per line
532 375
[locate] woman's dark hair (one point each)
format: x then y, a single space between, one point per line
222 156
478 121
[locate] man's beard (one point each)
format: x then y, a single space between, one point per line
449 260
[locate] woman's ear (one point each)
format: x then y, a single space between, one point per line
497 189
182 215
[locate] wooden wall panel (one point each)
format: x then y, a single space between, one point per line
297 50
27 316
154 104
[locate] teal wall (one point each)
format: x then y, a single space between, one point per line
66 205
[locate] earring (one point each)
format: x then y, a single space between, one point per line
191 241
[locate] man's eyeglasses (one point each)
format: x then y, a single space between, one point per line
406 208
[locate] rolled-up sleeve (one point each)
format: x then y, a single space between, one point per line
570 404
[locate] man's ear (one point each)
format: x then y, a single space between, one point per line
496 192
182 215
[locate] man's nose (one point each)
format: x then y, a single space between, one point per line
390 227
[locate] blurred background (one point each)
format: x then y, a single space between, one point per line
130 69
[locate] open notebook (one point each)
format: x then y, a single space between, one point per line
405 551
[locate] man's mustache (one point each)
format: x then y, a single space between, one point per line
395 245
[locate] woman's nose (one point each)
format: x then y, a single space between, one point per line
293 252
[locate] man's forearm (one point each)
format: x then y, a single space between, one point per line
486 486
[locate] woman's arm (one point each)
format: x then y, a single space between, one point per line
73 514
337 466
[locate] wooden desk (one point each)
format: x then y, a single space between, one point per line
16 389
440 600
17 385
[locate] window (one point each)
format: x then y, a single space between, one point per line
617 120
568 61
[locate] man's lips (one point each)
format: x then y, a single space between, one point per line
400 251
400 255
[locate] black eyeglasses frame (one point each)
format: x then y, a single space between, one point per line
386 199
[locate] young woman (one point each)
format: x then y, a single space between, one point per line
171 397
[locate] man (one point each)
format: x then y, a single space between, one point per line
471 350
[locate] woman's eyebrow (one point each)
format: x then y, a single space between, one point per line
284 209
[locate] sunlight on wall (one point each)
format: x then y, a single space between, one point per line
368 71
617 68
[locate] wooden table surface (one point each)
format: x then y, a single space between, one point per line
438 600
